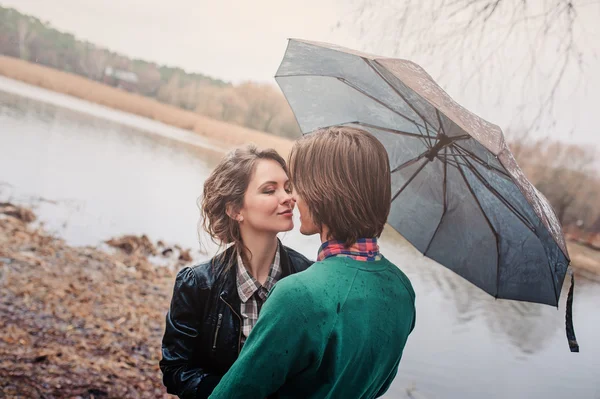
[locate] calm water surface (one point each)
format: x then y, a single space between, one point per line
93 173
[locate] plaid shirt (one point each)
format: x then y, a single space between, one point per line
365 250
252 294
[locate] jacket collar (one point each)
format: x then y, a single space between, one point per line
225 277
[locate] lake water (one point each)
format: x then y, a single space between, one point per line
93 173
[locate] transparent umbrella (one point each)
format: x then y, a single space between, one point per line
458 194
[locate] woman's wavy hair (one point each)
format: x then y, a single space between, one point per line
224 191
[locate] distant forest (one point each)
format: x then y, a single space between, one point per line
257 106
565 173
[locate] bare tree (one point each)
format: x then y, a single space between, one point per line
537 42
92 60
170 93
265 103
565 174
25 36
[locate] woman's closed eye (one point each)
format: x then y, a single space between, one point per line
272 190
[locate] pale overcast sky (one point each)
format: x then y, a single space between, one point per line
245 40
232 40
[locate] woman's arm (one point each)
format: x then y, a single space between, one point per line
181 374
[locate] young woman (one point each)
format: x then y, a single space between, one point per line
246 202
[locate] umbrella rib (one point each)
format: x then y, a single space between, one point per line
445 207
397 92
409 162
508 177
461 137
424 139
489 224
480 161
447 157
474 157
389 130
347 83
455 163
437 112
428 143
409 180
512 209
506 203
445 180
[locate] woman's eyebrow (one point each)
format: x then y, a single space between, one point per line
267 182
273 183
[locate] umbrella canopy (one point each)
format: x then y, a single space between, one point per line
458 194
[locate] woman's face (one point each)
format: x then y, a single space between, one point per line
268 204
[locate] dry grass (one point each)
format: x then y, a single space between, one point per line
80 87
584 259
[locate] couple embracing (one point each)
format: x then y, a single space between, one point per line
335 328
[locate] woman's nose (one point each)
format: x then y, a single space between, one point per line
288 197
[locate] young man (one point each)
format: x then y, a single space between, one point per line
338 329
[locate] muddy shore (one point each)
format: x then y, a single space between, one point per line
83 322
78 322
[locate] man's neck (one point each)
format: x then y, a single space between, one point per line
262 248
325 234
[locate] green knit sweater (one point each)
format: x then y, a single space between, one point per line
336 330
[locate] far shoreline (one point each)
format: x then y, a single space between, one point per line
222 134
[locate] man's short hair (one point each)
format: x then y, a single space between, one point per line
343 175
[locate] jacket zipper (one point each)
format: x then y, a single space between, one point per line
238 316
217 331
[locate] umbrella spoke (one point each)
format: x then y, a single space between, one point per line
445 180
461 137
409 180
437 112
445 205
454 138
450 159
506 203
409 162
369 63
455 164
423 139
361 91
428 144
450 156
485 216
389 130
480 161
509 207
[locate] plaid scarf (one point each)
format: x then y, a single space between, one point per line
365 250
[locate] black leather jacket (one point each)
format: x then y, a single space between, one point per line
203 331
